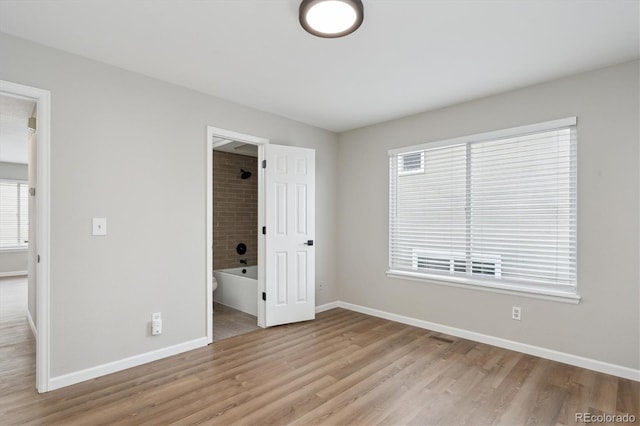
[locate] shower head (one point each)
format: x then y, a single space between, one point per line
244 174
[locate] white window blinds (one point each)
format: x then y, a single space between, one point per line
497 209
14 214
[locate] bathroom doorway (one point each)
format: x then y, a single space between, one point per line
284 283
235 239
233 217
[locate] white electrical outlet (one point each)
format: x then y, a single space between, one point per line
156 323
516 313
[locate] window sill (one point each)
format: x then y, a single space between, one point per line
556 296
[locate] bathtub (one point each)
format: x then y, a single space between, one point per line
237 289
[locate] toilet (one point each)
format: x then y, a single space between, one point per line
214 283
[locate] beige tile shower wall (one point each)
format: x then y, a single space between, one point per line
235 209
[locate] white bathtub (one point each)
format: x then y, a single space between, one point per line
237 289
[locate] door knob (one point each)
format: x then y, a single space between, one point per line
309 243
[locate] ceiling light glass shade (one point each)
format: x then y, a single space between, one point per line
331 18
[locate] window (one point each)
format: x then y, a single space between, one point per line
492 210
481 264
14 214
411 163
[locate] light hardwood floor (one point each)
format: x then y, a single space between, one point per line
343 368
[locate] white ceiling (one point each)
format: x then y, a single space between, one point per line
14 128
409 55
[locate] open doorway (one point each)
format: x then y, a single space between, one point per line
285 287
234 244
235 238
24 224
17 220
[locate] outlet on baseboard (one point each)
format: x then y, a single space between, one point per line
516 313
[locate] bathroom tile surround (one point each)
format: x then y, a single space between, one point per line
235 210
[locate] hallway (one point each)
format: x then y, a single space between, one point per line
17 344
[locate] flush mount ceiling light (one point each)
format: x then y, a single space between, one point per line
331 18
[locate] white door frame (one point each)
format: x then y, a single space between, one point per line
43 220
253 140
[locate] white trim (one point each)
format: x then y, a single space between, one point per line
209 236
210 145
476 284
13 274
233 136
262 239
122 364
496 134
43 221
32 325
578 361
327 306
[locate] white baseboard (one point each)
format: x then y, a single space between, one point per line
326 307
13 274
122 364
578 361
34 330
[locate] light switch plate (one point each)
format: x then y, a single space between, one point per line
99 226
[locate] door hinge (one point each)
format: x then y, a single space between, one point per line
32 192
264 230
32 124
264 164
264 296
38 258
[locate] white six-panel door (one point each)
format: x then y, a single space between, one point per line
290 234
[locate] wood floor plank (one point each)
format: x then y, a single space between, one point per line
303 368
627 396
234 364
377 402
342 368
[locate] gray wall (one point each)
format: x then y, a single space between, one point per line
13 260
116 135
132 149
13 171
605 326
